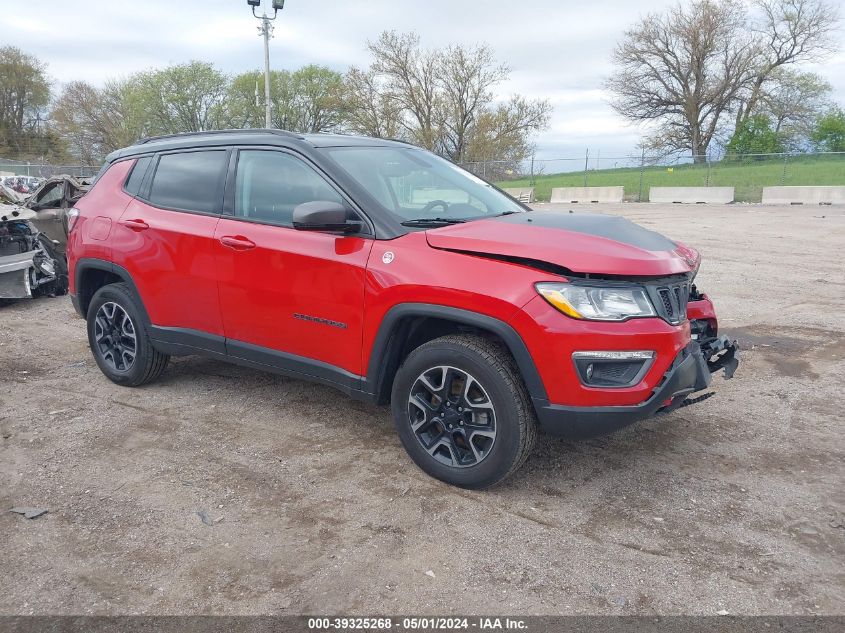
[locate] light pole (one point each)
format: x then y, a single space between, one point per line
266 30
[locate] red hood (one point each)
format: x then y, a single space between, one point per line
579 242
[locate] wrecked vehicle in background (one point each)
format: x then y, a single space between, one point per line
51 203
33 236
30 263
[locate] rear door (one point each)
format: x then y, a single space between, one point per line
165 240
289 298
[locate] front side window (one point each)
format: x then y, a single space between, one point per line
191 181
269 185
413 184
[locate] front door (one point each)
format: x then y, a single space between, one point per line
289 298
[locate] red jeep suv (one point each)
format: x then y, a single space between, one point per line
393 275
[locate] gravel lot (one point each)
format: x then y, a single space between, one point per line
737 504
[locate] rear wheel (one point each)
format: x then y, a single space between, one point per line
462 411
119 340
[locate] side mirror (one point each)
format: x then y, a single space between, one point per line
323 215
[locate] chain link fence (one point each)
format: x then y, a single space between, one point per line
17 168
748 174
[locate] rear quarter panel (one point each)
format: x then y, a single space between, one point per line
99 211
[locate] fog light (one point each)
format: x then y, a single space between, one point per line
611 369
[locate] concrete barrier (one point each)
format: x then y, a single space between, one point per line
695 195
803 195
588 194
523 194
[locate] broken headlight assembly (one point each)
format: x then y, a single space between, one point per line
597 303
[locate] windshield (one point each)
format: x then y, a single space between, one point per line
417 186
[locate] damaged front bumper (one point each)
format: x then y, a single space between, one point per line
691 372
15 275
24 275
29 263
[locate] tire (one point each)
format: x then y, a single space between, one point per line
482 395
108 312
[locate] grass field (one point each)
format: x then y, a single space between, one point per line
747 177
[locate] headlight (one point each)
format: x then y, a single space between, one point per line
597 303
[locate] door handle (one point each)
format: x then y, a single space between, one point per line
237 242
135 225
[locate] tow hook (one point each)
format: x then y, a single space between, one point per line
721 353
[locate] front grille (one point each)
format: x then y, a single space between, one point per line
666 299
670 300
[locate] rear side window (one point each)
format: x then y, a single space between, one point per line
133 183
191 181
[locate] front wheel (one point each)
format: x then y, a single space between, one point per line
462 411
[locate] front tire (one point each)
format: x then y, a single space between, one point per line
462 411
118 339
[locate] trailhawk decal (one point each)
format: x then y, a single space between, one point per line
313 319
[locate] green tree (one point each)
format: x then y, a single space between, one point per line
24 96
754 136
829 135
310 99
794 101
317 102
242 111
182 98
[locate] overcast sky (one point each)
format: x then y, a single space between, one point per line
559 50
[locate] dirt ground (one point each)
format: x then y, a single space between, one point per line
736 504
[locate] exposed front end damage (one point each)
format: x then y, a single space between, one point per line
30 263
714 352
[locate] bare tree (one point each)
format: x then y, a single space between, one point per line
95 121
500 139
443 100
787 32
411 82
371 110
76 117
467 77
684 70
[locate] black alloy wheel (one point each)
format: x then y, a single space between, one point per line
114 337
452 416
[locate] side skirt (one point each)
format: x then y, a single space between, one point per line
184 342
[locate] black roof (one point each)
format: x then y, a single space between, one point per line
246 137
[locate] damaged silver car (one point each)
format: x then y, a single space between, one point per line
33 237
30 263
51 202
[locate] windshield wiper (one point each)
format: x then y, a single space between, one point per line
431 221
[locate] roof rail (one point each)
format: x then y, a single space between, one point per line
403 141
149 139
